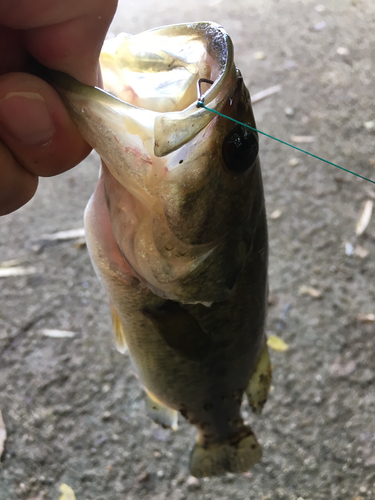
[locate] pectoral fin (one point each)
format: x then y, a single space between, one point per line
160 413
119 331
180 330
260 381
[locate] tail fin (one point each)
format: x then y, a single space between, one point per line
219 458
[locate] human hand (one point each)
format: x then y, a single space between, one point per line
37 136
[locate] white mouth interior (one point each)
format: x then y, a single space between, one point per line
152 83
155 73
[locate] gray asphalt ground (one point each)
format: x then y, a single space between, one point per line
73 408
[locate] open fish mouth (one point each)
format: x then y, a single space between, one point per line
152 83
149 72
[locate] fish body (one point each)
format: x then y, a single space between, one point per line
176 230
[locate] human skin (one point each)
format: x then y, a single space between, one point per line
37 136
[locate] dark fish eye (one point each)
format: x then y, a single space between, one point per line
240 149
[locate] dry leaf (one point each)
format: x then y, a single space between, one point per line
265 93
343 368
12 262
370 125
366 318
143 476
70 234
302 138
57 334
364 218
361 252
259 55
67 493
16 271
276 214
3 434
371 192
277 344
342 51
293 162
308 290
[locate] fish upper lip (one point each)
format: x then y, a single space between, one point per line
193 118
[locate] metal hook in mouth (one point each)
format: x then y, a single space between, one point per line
199 90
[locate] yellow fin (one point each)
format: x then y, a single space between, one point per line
119 332
160 413
259 384
219 458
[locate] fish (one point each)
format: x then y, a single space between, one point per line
177 233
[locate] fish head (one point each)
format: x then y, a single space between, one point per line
179 180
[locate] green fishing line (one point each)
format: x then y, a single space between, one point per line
200 104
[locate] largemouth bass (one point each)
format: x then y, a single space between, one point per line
176 230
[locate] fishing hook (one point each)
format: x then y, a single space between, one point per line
199 90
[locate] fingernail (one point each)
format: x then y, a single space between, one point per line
26 118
